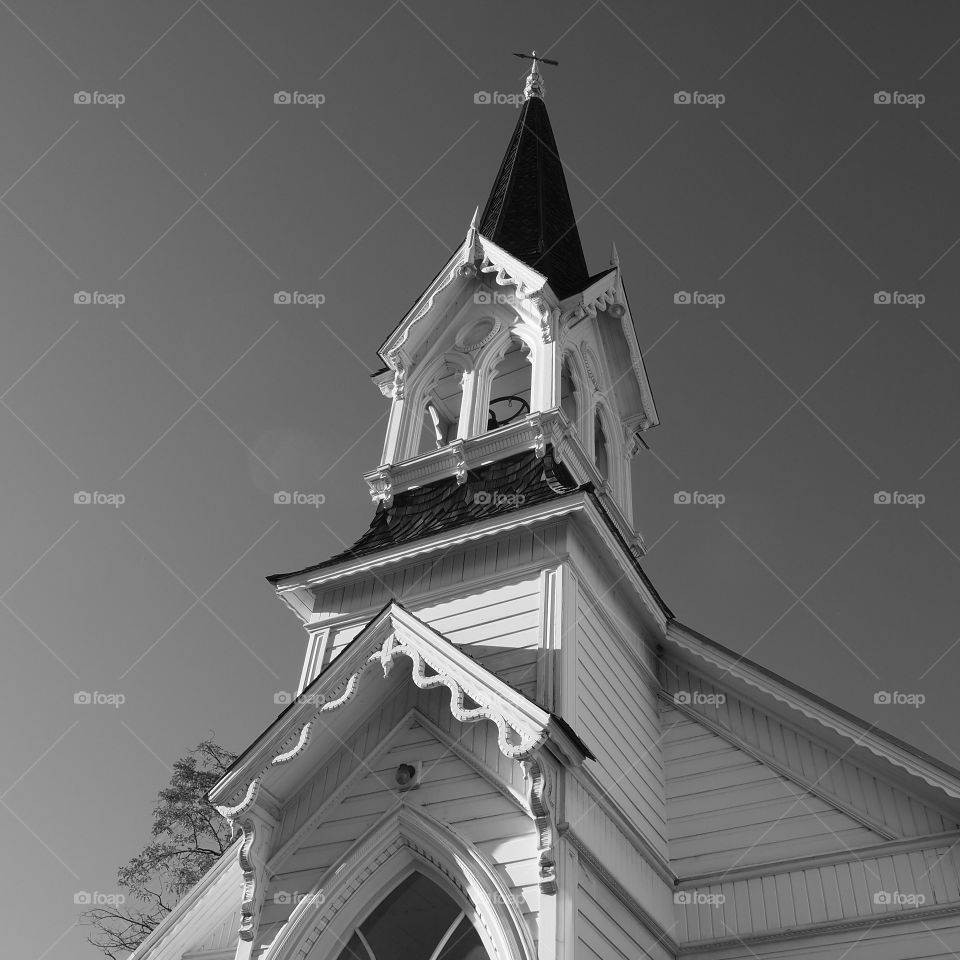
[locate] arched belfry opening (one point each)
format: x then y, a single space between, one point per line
510 387
441 406
568 392
601 450
417 920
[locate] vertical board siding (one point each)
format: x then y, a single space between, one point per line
882 801
844 890
726 809
617 718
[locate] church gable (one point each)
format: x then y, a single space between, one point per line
455 786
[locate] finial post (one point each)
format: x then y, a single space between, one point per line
534 86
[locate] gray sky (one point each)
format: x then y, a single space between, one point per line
797 199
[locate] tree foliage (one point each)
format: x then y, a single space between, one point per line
188 836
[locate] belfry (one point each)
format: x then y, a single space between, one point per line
504 745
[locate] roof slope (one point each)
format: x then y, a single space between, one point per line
501 487
529 212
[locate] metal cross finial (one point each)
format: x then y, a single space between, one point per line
534 85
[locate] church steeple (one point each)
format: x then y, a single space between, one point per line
529 212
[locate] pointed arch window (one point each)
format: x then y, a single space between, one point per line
416 921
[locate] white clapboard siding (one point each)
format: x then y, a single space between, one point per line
473 563
881 800
453 791
606 929
845 890
499 626
726 809
617 718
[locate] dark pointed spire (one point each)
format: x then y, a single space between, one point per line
529 212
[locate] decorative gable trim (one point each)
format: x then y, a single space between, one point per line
523 728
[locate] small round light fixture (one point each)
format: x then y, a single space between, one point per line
407 776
